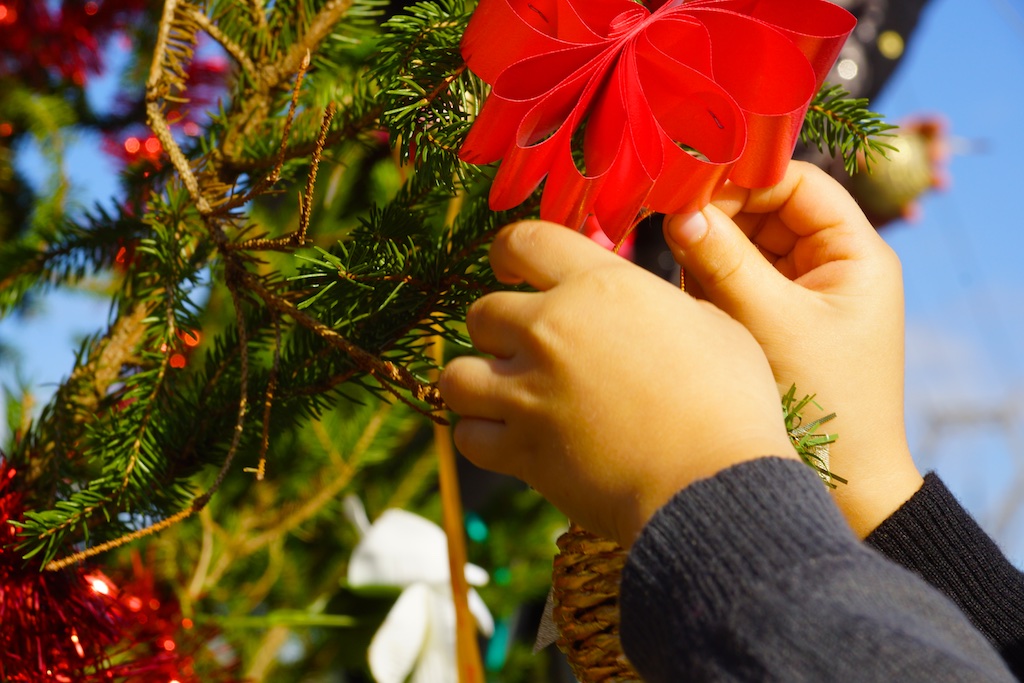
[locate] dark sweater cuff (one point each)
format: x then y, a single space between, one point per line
933 536
754 521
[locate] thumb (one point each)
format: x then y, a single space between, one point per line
730 270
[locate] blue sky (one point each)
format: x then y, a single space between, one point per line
962 262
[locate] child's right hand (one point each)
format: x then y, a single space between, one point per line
804 271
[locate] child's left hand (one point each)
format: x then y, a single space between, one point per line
609 390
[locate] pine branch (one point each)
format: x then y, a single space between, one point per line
43 450
406 275
845 127
129 440
176 37
254 140
76 249
167 78
386 372
811 446
123 433
397 281
230 46
321 26
430 98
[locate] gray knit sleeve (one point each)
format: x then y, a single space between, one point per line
934 537
753 575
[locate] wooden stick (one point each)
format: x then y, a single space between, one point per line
466 649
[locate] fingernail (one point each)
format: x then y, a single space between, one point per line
687 229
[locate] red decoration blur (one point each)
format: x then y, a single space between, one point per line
125 255
165 645
180 352
48 46
43 42
77 626
205 83
664 103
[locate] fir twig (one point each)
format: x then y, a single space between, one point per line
299 237
385 372
810 446
430 97
306 206
231 47
64 254
845 127
407 274
275 174
57 565
167 75
268 401
199 502
150 404
319 28
243 353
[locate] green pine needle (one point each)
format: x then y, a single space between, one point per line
844 126
812 447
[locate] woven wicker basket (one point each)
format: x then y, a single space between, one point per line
587 571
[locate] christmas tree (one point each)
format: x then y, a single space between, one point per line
290 266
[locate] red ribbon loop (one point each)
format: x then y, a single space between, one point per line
623 109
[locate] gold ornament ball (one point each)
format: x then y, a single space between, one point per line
888 191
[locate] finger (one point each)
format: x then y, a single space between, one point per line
543 254
808 201
828 224
713 250
805 223
495 321
766 230
772 237
731 198
475 387
483 442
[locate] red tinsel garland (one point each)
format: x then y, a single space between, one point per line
76 625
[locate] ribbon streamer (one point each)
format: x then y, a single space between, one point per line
624 108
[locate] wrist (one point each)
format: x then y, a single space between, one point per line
872 494
876 464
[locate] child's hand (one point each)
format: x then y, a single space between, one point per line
829 316
609 389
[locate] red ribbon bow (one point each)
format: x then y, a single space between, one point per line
668 104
